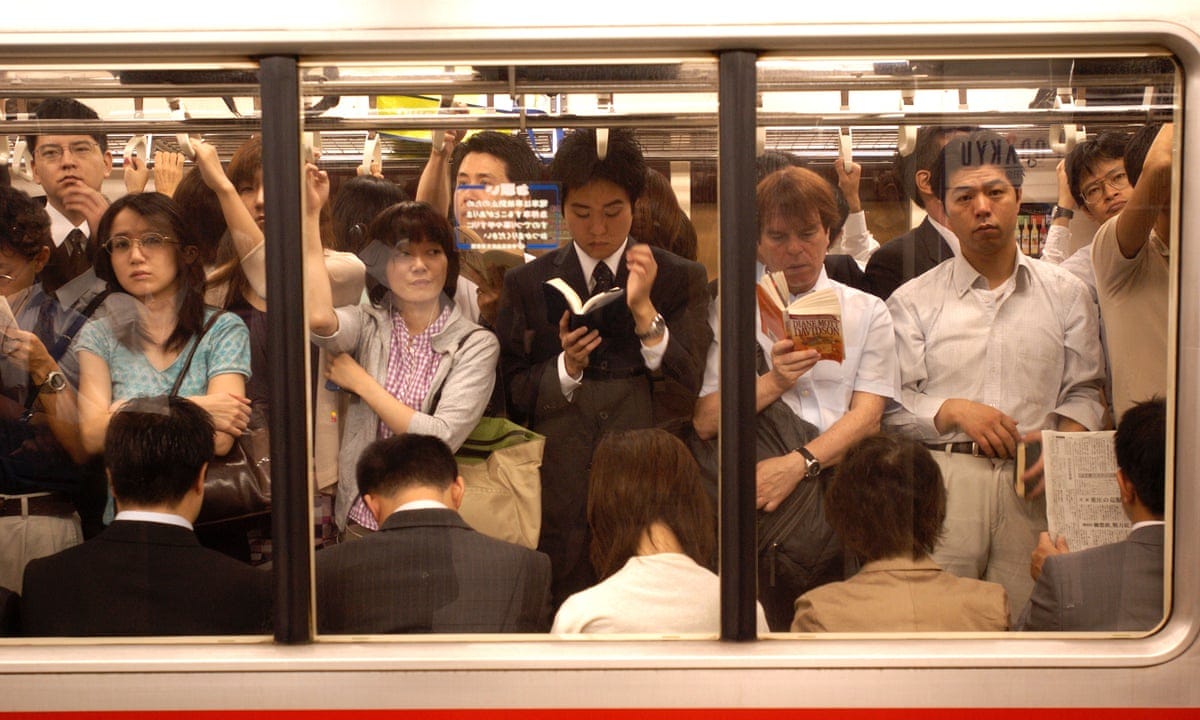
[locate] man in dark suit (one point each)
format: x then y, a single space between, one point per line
634 364
1117 586
426 570
146 574
927 245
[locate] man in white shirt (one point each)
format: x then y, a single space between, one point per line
993 347
147 574
844 401
1117 586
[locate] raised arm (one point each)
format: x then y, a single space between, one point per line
435 183
322 320
243 230
1150 197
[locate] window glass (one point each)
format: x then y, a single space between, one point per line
942 233
132 330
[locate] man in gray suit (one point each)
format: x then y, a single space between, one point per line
426 570
1117 586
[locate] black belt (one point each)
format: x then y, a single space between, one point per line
966 447
53 505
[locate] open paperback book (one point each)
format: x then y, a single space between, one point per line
560 295
812 322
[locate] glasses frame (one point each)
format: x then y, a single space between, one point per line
140 242
1097 186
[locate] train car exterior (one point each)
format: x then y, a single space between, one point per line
298 674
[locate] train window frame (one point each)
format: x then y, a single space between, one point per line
425 654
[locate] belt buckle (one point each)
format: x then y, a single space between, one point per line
975 449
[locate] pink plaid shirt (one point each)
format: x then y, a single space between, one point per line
412 364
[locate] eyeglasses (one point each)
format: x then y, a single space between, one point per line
81 149
149 243
6 279
1117 180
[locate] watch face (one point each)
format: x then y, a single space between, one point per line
56 381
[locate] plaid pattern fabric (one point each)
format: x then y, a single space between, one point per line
412 364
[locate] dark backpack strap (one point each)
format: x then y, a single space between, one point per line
187 364
65 340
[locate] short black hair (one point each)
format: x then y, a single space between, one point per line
521 164
1085 156
62 108
974 150
405 461
925 154
155 447
1142 451
408 222
887 498
576 163
24 224
1136 149
774 161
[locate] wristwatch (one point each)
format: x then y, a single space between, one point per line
812 466
1061 212
55 382
658 326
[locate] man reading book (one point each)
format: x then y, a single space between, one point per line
994 347
638 363
844 400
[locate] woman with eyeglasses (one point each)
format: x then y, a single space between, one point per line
153 318
412 360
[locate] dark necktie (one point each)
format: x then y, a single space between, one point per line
76 247
74 241
602 278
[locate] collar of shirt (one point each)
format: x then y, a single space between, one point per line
588 263
821 283
154 517
1146 523
80 290
964 276
421 505
947 235
60 226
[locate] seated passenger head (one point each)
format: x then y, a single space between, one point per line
645 497
358 201
491 158
1096 175
1142 455
408 467
598 195
409 244
25 242
978 178
796 210
155 451
886 499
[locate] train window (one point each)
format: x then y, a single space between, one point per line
131 197
945 209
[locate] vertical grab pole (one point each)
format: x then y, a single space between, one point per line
287 336
738 122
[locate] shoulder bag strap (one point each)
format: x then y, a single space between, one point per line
65 340
187 364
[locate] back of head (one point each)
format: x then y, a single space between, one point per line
24 224
154 449
1142 451
930 141
576 163
1136 149
358 201
202 209
773 161
638 478
62 108
979 149
658 219
520 162
388 467
408 222
797 195
887 499
1087 156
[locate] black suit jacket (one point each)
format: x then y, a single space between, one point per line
618 393
903 258
144 578
845 270
427 571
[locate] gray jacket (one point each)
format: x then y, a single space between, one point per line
465 377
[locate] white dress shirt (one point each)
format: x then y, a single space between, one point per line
1030 348
822 395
